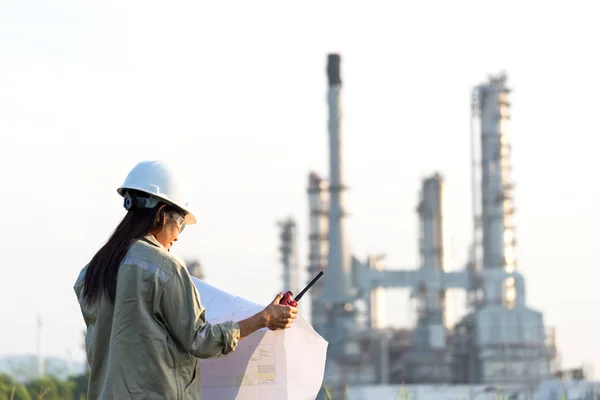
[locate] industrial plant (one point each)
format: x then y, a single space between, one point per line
500 340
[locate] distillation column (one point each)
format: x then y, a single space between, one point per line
337 280
340 307
288 251
511 344
496 226
428 360
432 299
317 251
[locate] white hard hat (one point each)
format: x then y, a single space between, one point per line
158 179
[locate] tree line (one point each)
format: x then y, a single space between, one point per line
47 388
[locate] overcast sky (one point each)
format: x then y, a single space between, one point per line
235 93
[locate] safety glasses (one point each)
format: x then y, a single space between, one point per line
180 221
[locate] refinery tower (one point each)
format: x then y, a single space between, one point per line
499 341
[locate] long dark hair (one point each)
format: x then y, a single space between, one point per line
101 274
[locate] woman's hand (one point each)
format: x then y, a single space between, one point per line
274 316
278 316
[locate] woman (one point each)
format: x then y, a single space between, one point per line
146 326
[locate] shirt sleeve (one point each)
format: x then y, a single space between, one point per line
185 318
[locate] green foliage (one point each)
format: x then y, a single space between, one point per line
402 393
80 387
48 388
11 390
51 389
325 391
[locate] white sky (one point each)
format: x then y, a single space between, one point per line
235 93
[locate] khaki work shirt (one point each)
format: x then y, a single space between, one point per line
146 344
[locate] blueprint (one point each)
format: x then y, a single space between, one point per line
284 364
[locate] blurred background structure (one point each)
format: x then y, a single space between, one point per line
500 341
195 268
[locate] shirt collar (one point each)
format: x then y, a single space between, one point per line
152 240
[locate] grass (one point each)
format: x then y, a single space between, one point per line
403 394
